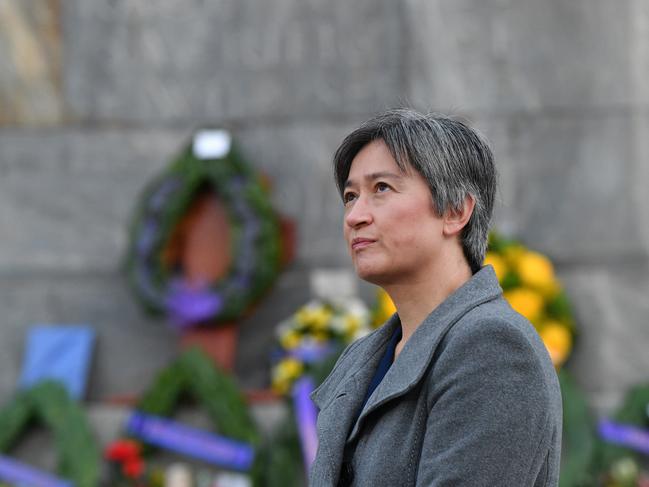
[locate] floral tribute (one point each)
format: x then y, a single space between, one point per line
50 404
191 376
125 457
314 333
255 240
531 287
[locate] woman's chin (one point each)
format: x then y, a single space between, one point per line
371 274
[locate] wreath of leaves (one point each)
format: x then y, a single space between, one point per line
48 403
255 233
193 374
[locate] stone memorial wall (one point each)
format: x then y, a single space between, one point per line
97 96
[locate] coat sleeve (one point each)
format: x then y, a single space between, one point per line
489 409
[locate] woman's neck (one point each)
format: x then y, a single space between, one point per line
417 298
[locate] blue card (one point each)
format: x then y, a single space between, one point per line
62 353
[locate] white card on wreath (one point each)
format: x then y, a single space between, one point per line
212 144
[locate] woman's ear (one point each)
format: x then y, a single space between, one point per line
456 220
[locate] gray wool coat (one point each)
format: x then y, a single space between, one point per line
471 400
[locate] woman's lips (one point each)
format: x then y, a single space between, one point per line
361 243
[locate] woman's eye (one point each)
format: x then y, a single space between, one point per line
381 187
347 197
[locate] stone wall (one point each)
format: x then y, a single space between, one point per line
97 96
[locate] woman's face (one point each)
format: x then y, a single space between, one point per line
391 228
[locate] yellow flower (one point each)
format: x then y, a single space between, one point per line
280 386
537 271
383 309
313 316
284 373
387 306
352 323
526 301
498 263
557 340
290 339
513 253
320 336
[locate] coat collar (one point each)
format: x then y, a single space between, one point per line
416 356
355 369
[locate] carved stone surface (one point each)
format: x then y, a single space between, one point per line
30 63
66 196
228 59
567 184
504 55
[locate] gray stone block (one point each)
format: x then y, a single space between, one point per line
502 55
568 180
638 40
131 60
30 63
611 309
66 197
639 182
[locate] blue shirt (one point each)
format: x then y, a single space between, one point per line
383 367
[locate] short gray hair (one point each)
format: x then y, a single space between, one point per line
453 158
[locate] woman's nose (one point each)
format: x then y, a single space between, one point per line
359 213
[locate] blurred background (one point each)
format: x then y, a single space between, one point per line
97 97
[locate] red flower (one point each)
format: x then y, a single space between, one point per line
133 467
123 450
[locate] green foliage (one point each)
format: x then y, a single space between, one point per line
193 374
633 412
559 308
282 456
578 436
48 404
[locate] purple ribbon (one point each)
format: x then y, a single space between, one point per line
306 416
170 435
625 435
17 473
188 304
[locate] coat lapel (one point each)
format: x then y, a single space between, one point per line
415 358
340 397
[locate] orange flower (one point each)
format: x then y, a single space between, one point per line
557 340
526 301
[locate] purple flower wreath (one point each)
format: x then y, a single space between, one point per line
256 243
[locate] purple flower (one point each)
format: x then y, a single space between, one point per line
162 192
143 281
190 303
146 237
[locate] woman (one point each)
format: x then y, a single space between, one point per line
456 388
